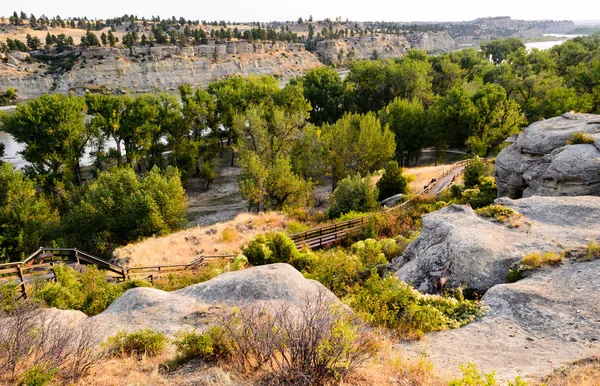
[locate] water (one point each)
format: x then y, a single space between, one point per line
12 147
560 39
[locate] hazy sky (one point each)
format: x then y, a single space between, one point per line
266 10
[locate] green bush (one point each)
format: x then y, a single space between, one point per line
293 227
270 248
370 252
471 377
393 304
497 212
475 171
88 291
336 270
392 182
353 193
143 342
213 344
482 194
10 292
352 215
37 375
581 139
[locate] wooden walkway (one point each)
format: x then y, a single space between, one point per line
41 264
328 234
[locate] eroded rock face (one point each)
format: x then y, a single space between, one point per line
541 162
533 326
457 247
159 68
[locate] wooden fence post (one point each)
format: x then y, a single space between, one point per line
23 288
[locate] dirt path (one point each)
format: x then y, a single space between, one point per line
222 202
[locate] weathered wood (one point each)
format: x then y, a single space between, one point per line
23 286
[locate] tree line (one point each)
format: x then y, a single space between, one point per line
319 129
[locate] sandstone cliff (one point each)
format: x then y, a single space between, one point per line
382 46
158 68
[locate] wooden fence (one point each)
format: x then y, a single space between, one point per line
328 234
41 264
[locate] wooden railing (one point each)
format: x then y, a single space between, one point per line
41 264
328 234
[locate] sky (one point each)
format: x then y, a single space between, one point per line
268 10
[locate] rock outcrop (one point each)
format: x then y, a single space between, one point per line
159 68
337 51
542 162
197 305
532 327
458 247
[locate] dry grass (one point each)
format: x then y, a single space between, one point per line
585 372
540 260
390 368
423 175
184 246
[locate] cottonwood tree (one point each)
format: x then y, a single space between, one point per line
27 218
55 136
120 207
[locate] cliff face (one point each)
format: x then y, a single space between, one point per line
158 68
382 46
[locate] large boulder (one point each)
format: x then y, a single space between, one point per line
532 327
541 162
457 247
198 304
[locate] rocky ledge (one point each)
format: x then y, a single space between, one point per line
457 247
543 162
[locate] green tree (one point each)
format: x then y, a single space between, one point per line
408 121
325 91
120 207
499 50
27 218
392 182
353 193
53 131
497 117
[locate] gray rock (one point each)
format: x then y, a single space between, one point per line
533 326
541 162
197 305
458 247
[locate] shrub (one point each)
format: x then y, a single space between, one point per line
579 138
35 343
10 293
353 193
482 194
312 343
270 248
37 375
502 214
293 227
143 342
369 252
593 250
392 182
352 215
393 304
213 344
228 235
336 270
471 377
88 291
475 171
390 248
540 260
514 275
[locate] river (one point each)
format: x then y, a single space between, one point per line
560 38
12 147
